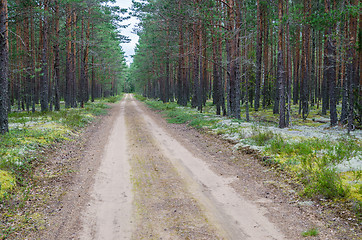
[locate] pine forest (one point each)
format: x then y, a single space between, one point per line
180 119
55 50
255 55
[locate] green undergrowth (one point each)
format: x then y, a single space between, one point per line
311 162
113 99
31 133
177 114
314 118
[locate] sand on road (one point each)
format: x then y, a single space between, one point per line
149 186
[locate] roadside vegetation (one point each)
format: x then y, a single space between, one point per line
22 149
324 163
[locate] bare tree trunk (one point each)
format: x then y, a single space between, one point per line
259 47
181 99
4 61
306 62
288 71
266 57
44 81
196 66
360 63
74 57
281 71
296 68
33 60
68 63
352 68
83 86
56 71
330 69
245 67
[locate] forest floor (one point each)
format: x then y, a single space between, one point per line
133 175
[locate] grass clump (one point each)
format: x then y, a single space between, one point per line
311 232
113 99
313 160
177 116
261 137
324 182
75 119
202 121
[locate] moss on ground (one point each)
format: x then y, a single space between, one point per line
7 183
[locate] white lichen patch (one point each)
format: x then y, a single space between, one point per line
353 164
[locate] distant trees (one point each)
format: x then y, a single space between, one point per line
45 56
253 53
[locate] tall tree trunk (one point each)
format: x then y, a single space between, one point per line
330 69
44 81
33 60
266 57
68 63
296 67
288 71
196 66
4 60
259 47
352 68
306 61
345 85
360 62
74 57
281 71
218 89
56 71
27 62
86 63
233 26
245 64
182 72
83 81
204 65
238 24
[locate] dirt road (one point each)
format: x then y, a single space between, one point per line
137 177
175 195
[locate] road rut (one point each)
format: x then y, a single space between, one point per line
151 187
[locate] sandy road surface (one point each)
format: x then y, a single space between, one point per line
149 186
109 212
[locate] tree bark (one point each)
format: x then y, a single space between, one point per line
259 47
44 81
56 71
281 71
4 67
306 62
266 57
330 70
288 71
68 63
352 68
